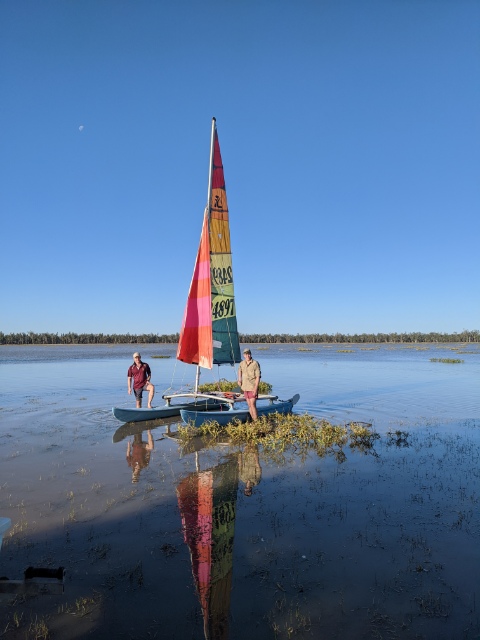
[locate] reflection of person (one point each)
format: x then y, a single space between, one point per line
249 375
250 471
139 373
138 454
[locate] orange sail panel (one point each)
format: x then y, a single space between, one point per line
195 343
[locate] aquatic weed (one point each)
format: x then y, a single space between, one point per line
279 434
398 438
231 385
361 435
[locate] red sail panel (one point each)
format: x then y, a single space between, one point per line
195 344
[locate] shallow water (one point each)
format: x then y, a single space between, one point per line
380 545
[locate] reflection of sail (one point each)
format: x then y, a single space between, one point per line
207 501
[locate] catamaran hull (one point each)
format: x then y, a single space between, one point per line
223 417
167 411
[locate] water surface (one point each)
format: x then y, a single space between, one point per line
379 545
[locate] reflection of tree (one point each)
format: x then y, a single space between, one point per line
207 502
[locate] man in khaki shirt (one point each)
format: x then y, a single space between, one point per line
249 375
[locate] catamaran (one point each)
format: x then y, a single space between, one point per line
209 334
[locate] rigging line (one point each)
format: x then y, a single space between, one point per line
182 381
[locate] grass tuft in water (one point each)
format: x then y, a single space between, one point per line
447 360
229 385
280 433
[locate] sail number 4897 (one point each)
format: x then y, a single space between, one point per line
223 307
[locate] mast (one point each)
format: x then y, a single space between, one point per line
209 197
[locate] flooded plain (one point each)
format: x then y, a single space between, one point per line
161 540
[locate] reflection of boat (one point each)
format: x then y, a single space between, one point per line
5 524
207 501
197 443
132 428
209 332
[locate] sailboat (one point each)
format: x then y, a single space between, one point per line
209 334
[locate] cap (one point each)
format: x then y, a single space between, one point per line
136 354
247 351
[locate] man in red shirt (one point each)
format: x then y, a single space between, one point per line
139 374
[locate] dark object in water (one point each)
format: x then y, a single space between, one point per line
37 580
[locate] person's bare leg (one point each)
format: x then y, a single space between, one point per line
252 407
151 393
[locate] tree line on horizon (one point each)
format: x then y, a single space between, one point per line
251 338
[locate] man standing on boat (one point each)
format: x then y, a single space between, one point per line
139 374
249 375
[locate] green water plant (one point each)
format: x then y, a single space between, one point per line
282 433
230 385
447 360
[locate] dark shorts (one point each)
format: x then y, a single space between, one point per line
138 392
249 394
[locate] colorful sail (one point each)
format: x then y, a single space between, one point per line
209 332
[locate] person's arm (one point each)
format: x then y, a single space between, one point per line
148 372
129 382
239 378
257 380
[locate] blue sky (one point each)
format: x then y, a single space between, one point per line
349 132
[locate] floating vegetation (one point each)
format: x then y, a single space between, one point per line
398 438
447 360
160 356
462 352
230 385
280 433
345 351
303 349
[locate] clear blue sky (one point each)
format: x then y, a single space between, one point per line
349 131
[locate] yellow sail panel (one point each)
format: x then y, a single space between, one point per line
221 274
219 236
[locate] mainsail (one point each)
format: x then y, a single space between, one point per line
209 332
